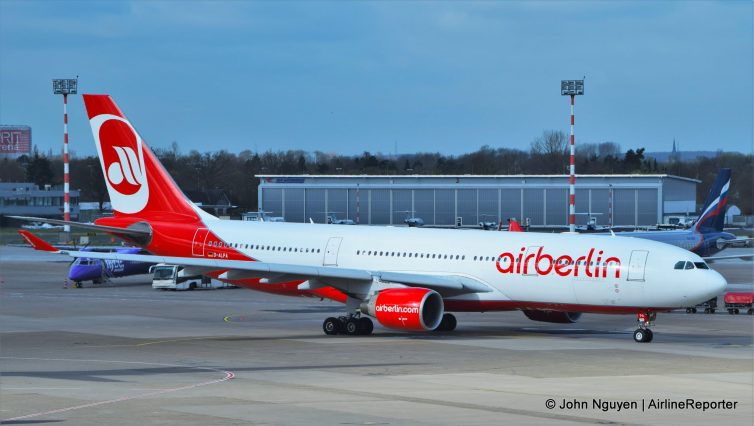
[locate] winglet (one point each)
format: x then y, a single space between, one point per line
37 243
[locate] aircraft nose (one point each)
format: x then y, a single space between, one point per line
718 283
81 273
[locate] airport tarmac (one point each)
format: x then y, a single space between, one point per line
122 353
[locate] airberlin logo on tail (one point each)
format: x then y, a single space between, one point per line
124 174
122 158
536 261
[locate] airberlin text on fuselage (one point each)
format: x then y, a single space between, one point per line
541 263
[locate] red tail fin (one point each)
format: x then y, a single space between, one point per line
137 183
513 226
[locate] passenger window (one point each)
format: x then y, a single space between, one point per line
689 265
701 265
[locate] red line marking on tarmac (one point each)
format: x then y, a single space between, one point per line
228 376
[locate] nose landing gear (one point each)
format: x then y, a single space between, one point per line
643 334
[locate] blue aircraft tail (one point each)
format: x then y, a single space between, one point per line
713 212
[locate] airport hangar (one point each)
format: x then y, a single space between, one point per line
446 200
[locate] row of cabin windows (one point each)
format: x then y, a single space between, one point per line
408 254
262 247
452 257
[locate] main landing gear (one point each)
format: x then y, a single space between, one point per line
447 323
351 325
643 334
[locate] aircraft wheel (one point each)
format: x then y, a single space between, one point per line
331 326
750 311
693 310
352 327
712 311
365 326
640 335
648 335
688 310
448 323
730 311
736 311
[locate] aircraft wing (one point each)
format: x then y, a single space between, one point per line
333 276
711 259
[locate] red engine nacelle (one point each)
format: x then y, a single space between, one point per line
411 308
553 316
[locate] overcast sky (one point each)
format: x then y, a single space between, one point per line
366 76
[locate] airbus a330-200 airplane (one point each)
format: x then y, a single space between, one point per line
406 278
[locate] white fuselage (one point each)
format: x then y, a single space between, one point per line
621 271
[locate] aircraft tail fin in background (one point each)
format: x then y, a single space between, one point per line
138 185
513 226
712 217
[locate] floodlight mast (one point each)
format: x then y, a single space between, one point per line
572 88
65 87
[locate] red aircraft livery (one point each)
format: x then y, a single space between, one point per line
564 265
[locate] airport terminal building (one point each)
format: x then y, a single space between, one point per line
617 200
26 199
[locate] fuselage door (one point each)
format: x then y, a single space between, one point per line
331 251
637 264
530 261
197 247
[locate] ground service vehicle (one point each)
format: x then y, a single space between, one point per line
172 277
176 277
737 302
709 306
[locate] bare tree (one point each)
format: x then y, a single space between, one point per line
550 150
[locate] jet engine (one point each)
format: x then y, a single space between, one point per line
552 316
409 309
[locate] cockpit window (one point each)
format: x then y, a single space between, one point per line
684 264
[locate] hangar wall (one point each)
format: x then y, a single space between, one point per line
637 200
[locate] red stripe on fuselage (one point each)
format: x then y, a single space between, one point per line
512 305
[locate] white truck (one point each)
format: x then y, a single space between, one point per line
172 277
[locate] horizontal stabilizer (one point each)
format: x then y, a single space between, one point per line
110 229
38 243
732 256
